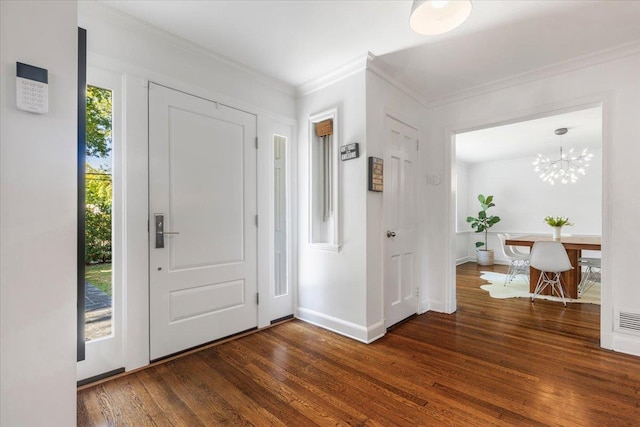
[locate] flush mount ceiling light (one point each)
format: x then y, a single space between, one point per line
431 17
566 168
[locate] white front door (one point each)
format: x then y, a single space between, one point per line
202 225
399 210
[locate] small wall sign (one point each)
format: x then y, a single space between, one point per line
376 178
350 151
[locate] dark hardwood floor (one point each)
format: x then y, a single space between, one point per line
493 362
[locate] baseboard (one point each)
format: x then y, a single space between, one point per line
348 329
629 345
435 305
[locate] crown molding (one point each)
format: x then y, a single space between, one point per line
347 70
383 71
115 17
558 68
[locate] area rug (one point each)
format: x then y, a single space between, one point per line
519 288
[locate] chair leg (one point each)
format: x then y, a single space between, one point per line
540 286
516 267
587 281
510 273
544 281
556 283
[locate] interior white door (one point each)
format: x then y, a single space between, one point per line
399 210
202 225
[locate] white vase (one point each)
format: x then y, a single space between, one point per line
557 232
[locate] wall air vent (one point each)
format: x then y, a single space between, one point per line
627 321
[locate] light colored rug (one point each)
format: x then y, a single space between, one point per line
519 288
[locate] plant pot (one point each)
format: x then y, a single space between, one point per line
485 257
557 233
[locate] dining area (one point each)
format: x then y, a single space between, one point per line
531 185
577 274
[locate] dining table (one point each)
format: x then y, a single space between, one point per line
574 245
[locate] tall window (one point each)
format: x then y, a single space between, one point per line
98 214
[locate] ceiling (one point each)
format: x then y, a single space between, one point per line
526 139
298 41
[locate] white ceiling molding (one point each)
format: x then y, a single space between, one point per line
347 70
573 64
380 69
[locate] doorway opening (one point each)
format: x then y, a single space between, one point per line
498 161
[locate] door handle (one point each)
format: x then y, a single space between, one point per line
160 233
391 234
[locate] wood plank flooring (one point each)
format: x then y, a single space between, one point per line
493 362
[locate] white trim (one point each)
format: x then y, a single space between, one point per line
604 101
333 245
342 327
347 70
569 65
382 70
436 305
621 343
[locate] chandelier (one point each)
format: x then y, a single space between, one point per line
565 169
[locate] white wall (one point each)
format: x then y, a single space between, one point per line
142 53
613 82
522 200
38 219
332 288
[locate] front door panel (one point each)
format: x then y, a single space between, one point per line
202 206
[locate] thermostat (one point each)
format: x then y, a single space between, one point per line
32 88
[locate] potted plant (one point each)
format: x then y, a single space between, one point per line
556 223
481 224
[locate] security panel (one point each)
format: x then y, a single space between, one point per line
32 88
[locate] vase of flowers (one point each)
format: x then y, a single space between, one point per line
556 223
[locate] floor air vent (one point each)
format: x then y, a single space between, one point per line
627 321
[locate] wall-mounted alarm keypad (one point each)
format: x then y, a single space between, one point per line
32 88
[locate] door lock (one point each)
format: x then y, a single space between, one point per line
391 234
160 233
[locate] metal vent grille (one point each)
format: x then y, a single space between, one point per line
627 321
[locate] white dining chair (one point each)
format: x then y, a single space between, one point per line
590 275
515 249
552 260
518 263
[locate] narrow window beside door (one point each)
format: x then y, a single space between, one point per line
98 214
280 214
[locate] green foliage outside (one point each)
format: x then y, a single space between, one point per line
98 186
99 122
99 191
99 275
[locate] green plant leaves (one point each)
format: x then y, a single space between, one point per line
483 222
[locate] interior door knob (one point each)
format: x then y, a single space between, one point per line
391 234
